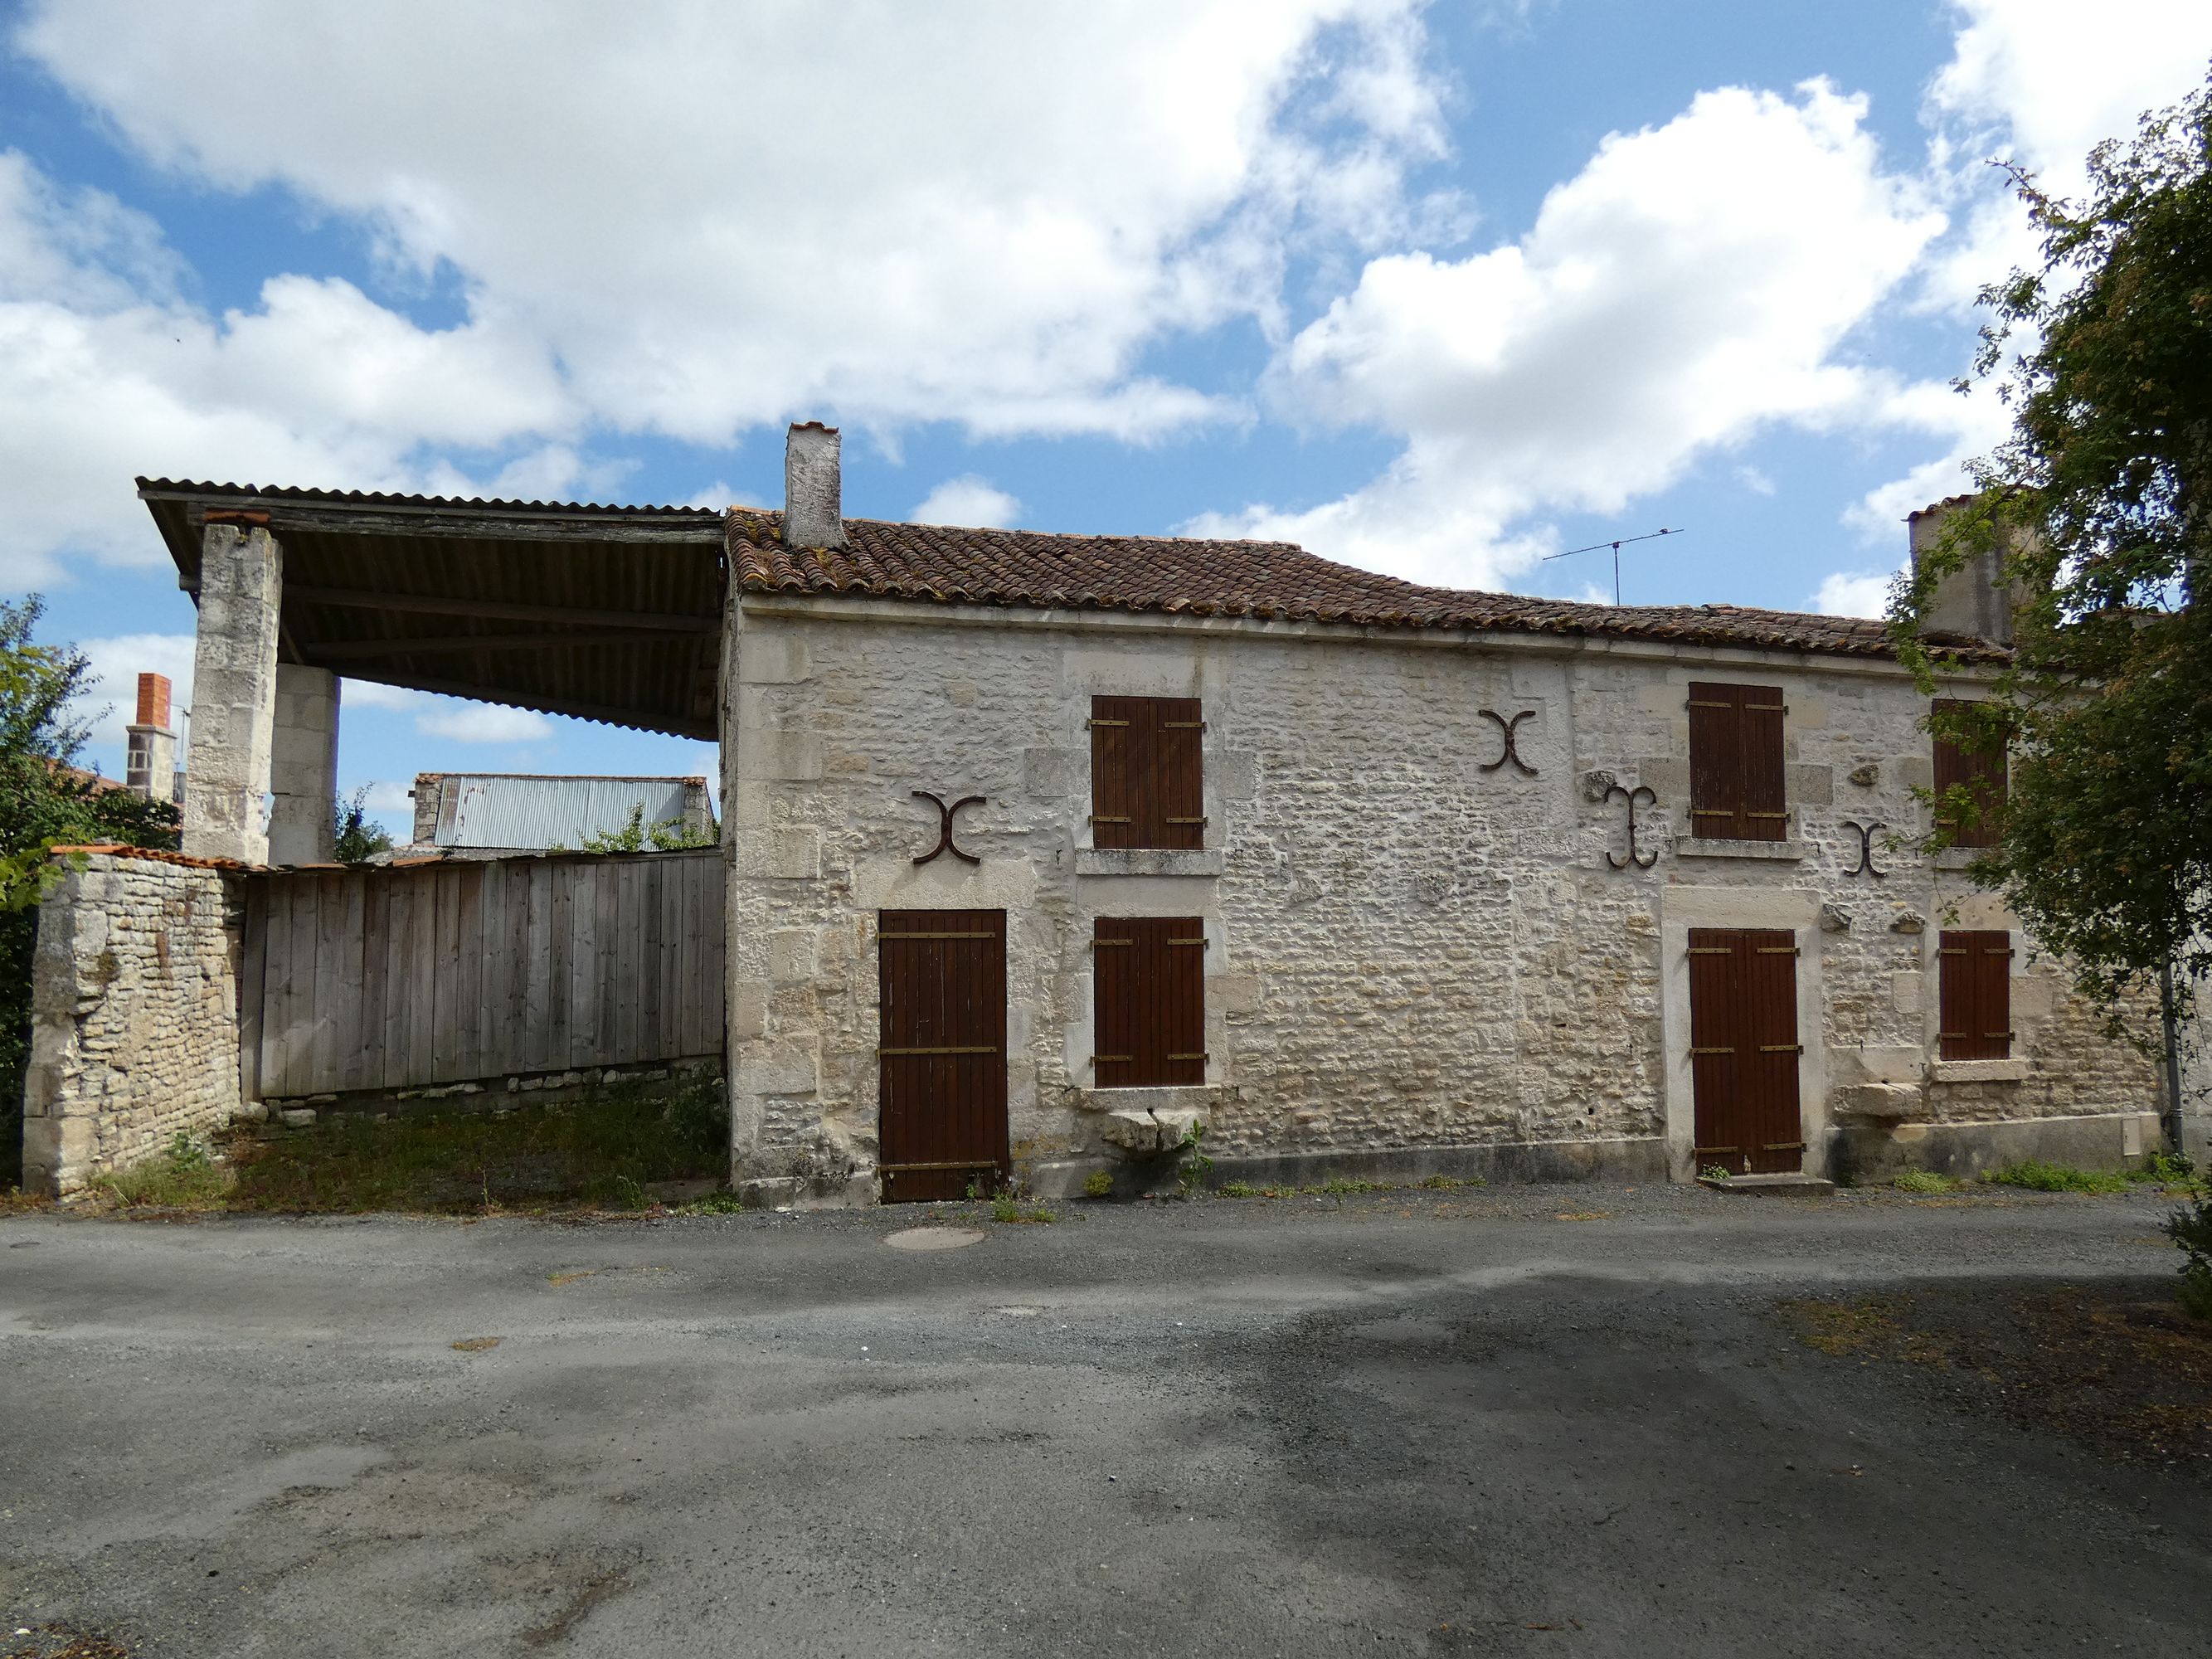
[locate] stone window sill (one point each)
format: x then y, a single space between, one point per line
1148 861
1709 847
1976 1071
1178 1096
1958 858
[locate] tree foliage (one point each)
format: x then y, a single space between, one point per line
668 836
46 801
2099 507
358 840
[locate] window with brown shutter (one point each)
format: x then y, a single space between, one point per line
1147 773
1981 772
1974 1003
1736 791
1148 1001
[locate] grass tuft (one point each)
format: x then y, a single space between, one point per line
1925 1181
2166 1170
2037 1176
721 1203
184 1175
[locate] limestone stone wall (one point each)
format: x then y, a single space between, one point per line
134 1032
1412 941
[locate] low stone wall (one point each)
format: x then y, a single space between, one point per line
134 1015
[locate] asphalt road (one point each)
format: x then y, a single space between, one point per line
1428 1426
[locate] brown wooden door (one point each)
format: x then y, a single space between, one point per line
1743 1049
943 1053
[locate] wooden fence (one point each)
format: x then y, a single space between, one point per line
399 978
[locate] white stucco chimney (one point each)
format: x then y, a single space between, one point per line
813 507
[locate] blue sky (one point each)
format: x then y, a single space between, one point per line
1436 288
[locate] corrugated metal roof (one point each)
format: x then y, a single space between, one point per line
503 809
607 613
150 488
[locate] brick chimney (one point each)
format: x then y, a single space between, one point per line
150 762
1973 603
813 490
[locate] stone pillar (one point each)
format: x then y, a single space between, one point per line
303 767
150 762
233 693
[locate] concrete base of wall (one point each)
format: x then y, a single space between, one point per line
1861 1153
1865 1153
1643 1158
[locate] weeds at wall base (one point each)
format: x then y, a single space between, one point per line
1348 1186
606 1151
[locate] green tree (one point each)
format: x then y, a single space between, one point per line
45 800
358 840
2099 507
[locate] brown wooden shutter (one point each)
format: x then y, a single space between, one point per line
1737 788
1982 772
1148 1001
1147 773
1974 994
1178 773
1120 727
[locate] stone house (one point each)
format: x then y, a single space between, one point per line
1351 872
1041 852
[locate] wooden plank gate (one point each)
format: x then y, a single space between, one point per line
943 1055
390 978
1744 1050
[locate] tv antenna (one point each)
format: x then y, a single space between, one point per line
1652 536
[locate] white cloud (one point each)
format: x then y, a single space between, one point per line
110 702
1010 204
968 500
1694 284
1853 593
482 722
385 797
371 694
2028 80
105 373
2038 78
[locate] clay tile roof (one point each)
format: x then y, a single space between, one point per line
1268 580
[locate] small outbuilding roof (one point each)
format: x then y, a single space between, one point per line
1190 577
608 613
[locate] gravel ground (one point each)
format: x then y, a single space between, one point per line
1585 1419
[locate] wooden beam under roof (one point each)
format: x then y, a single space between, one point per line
659 622
458 644
638 719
